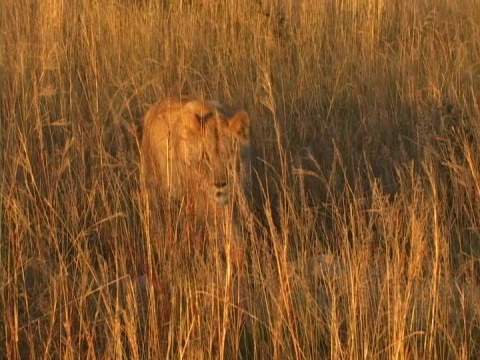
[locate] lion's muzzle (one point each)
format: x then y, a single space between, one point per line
221 193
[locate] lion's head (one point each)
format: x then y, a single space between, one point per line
191 148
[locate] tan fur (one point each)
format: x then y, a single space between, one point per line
193 153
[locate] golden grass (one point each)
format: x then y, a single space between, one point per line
366 120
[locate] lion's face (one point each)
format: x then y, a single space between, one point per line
211 146
195 150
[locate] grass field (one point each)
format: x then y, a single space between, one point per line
366 114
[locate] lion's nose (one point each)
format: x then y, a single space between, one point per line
220 184
221 193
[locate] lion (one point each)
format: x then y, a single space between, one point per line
195 155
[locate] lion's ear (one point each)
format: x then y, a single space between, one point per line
239 125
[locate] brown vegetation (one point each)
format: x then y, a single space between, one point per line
365 124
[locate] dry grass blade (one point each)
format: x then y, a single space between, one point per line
358 236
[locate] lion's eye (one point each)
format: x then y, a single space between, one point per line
202 119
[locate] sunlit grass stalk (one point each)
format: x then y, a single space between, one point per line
365 248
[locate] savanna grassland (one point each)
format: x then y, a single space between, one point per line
365 116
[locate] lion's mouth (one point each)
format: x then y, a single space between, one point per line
221 192
221 197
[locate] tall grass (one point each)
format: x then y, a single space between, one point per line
366 121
